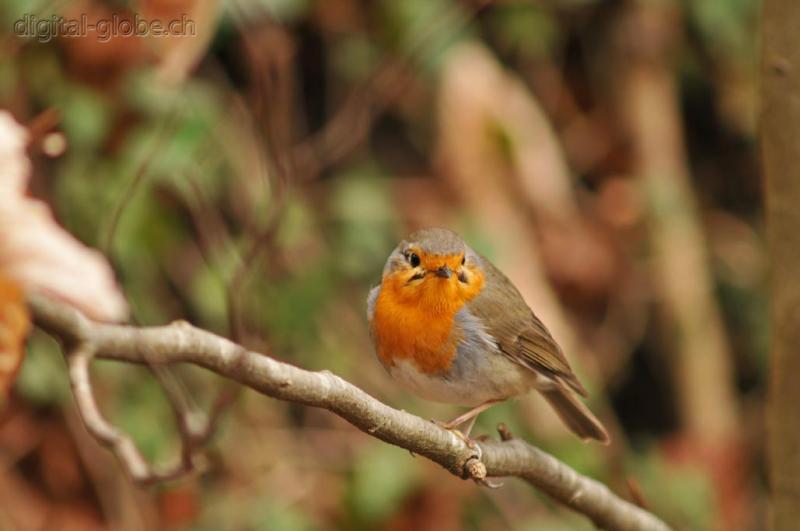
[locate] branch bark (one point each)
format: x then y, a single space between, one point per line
180 342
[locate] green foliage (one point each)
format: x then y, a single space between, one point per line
727 25
133 400
42 378
292 324
748 320
364 221
11 10
355 57
525 29
424 29
247 512
285 11
380 481
683 495
86 117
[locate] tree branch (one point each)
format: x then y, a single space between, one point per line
180 342
118 441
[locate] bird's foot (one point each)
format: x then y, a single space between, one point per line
450 425
453 428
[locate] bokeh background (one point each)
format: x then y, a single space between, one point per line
252 179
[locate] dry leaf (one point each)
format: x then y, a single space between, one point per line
16 167
14 326
36 252
101 56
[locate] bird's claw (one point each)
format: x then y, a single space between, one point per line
489 484
471 443
449 426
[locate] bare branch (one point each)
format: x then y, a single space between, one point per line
108 435
180 342
194 428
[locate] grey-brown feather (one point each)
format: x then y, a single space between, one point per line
436 241
575 414
518 332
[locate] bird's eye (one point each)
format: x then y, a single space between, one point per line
413 259
463 260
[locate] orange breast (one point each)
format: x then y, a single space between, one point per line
418 325
406 333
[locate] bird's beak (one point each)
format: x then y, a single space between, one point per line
443 272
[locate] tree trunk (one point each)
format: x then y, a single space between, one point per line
780 144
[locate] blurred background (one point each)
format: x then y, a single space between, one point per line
252 175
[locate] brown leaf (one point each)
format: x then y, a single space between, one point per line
14 326
36 252
102 55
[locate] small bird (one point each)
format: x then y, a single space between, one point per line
448 325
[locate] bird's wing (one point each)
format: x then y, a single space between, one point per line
519 333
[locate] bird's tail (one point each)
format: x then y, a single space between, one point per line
575 414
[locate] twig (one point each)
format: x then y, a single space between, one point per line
505 433
161 135
349 127
180 342
112 437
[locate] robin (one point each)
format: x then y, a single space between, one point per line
451 327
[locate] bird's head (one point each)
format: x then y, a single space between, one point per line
435 267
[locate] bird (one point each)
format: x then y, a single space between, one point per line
451 327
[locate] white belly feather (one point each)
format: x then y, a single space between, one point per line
497 378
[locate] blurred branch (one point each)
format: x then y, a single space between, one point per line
780 123
704 374
650 106
162 133
180 342
349 127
